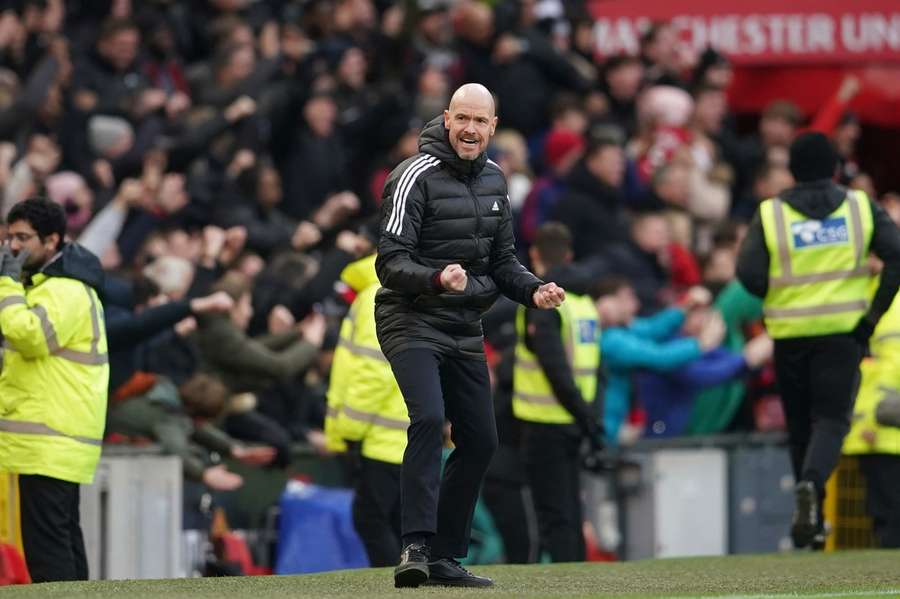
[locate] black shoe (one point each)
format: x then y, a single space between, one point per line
413 567
821 537
449 573
805 526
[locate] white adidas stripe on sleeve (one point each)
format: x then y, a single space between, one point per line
401 192
395 207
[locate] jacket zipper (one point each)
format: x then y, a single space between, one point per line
477 219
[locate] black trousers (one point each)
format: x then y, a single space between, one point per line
508 498
551 454
882 474
818 378
51 533
376 511
437 386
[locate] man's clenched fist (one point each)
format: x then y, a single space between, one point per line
453 278
549 295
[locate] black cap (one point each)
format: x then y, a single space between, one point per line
812 157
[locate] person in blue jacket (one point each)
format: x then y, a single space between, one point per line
668 397
628 343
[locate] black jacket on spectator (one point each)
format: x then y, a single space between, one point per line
437 210
127 331
642 269
314 169
818 199
593 212
115 90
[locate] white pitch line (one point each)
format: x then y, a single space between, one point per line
894 592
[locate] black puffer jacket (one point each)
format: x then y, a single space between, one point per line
438 209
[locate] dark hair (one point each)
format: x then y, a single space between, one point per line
617 61
114 25
224 55
553 242
563 103
812 157
609 286
203 396
705 88
143 289
45 216
597 145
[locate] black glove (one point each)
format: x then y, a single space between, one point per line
863 331
10 265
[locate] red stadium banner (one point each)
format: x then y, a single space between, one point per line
760 32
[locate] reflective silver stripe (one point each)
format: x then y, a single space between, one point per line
95 323
529 364
820 277
784 252
535 399
89 358
856 222
815 310
39 428
47 326
11 300
80 357
887 336
788 277
370 418
360 350
331 412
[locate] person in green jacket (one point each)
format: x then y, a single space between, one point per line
181 420
53 386
715 408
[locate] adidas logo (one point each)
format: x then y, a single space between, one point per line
496 208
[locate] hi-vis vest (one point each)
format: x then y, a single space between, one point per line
818 278
533 398
364 401
53 388
880 379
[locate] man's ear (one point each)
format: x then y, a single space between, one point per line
493 125
52 242
446 119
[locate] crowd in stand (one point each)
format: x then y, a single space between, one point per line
225 158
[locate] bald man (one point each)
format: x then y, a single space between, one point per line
446 253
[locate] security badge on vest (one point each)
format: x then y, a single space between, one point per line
815 233
818 276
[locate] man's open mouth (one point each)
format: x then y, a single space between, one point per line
469 142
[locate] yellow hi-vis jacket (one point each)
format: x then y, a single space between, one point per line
818 278
364 401
53 387
880 379
533 398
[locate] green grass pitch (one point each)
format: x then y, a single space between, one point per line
846 574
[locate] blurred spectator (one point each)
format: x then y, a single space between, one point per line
591 206
669 399
622 80
179 420
630 343
562 151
